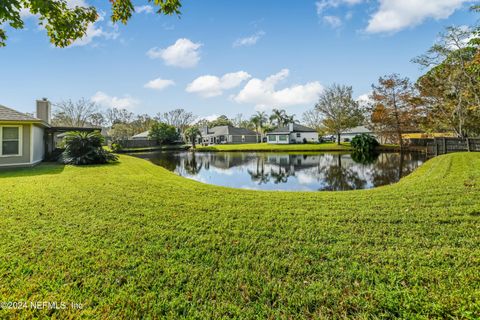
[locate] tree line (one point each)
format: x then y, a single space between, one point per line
445 99
122 124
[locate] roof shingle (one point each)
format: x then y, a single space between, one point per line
7 114
223 130
296 128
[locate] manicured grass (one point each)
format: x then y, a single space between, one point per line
276 147
157 148
132 240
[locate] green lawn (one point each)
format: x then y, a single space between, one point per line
156 148
277 147
132 240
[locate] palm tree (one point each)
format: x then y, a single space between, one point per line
85 148
262 117
289 119
255 120
259 119
277 117
192 133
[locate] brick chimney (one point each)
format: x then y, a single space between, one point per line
44 109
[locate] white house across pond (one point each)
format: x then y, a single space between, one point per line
292 133
348 135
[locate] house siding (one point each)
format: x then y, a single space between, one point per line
248 139
24 159
277 138
308 136
292 137
38 146
349 136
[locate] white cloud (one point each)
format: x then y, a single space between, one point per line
263 94
465 34
211 86
77 3
395 15
94 30
183 53
104 99
305 178
248 41
333 21
25 14
323 5
144 9
208 118
159 84
364 99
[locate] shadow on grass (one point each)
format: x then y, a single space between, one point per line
45 168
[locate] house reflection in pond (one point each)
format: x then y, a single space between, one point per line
282 171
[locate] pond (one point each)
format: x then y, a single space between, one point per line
289 171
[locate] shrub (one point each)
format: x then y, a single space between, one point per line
116 146
364 143
83 148
163 133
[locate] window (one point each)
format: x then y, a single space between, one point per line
272 138
282 137
299 135
11 138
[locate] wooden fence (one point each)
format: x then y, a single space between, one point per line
438 146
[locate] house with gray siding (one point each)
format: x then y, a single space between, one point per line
227 134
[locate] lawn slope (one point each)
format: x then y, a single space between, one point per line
133 240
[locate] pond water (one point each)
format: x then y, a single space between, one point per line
289 171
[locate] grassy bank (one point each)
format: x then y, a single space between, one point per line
132 240
276 147
157 148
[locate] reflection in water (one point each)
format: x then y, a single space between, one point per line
284 171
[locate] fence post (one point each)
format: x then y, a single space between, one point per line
445 151
436 148
468 145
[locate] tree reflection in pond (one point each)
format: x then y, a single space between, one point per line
287 171
338 178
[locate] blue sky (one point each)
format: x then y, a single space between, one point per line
226 57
